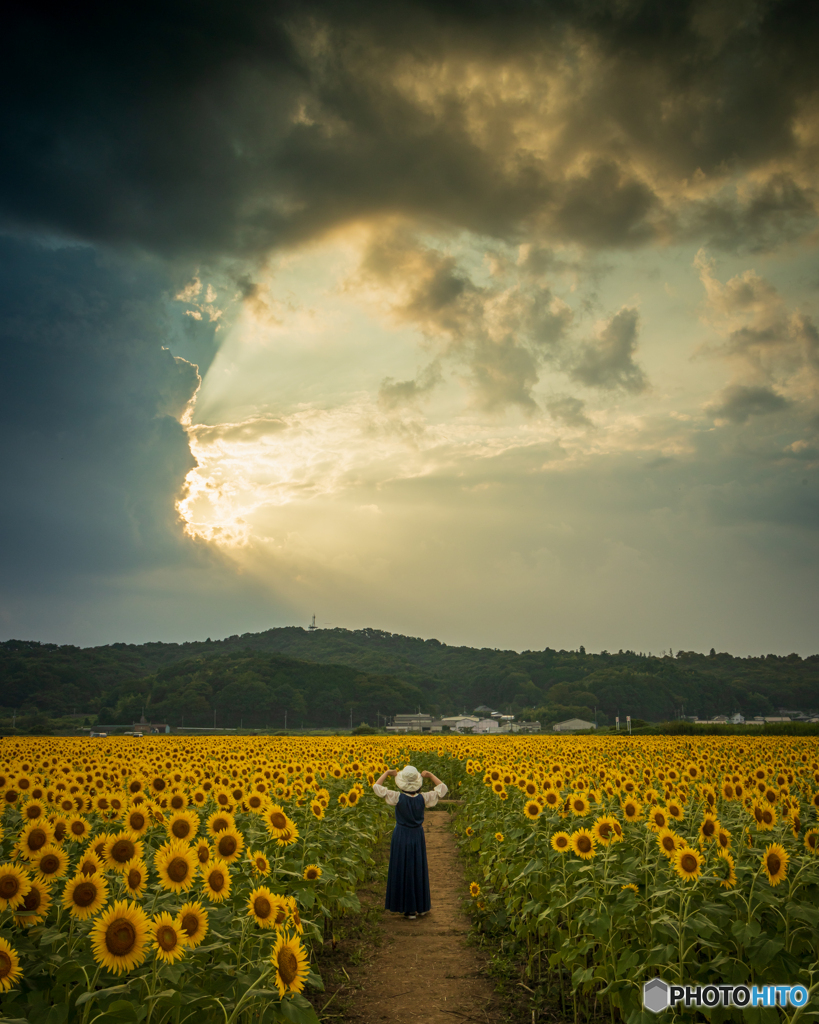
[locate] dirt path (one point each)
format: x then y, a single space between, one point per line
423 971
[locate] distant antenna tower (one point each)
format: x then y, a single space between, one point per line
313 625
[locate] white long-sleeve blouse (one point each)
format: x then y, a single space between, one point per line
430 798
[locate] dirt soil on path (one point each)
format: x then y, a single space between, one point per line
424 972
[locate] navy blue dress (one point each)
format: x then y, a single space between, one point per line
408 876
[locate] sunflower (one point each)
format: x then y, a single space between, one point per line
775 862
218 822
119 849
667 842
630 887
35 906
193 920
32 810
532 809
263 906
183 825
135 876
60 824
688 863
289 957
229 844
342 799
584 843
85 895
675 810
474 890
168 938
469 831
316 809
552 798
353 797
708 828
118 938
10 972
657 818
137 820
216 880
203 852
811 841
50 863
289 837
15 884
276 821
579 804
561 842
728 877
499 836
632 809
312 873
34 837
176 864
259 863
78 830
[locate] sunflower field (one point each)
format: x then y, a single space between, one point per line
163 880
601 862
160 880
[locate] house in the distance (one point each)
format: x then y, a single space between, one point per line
573 725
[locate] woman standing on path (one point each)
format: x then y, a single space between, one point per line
408 876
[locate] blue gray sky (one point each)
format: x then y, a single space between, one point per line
495 322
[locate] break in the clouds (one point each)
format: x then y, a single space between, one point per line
496 322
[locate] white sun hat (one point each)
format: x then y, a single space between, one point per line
409 779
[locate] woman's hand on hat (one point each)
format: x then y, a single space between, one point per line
426 775
391 772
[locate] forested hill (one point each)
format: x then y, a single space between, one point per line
319 677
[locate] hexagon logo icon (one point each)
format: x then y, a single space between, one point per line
655 995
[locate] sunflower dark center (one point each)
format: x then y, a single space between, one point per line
312 873
177 802
278 820
167 938
134 878
262 907
708 828
203 853
227 846
220 824
85 894
584 844
190 924
32 812
77 828
178 869
689 862
137 820
36 839
122 851
33 900
49 864
120 937
5 964
562 841
288 965
9 886
774 863
217 881
181 828
668 843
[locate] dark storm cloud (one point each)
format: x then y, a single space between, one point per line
217 128
501 333
739 402
93 453
608 361
569 410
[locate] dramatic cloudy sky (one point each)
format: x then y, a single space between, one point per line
495 321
